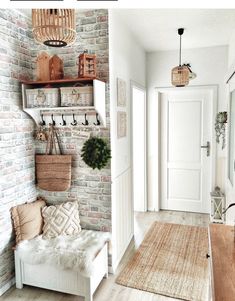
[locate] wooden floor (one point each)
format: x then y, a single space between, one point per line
108 289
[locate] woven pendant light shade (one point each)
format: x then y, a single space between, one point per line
54 27
180 76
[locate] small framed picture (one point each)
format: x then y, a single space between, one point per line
121 92
121 124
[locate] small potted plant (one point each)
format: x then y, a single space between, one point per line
220 122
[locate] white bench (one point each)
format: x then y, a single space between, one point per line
62 280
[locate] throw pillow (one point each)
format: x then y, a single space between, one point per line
61 219
27 219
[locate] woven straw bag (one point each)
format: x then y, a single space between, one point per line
53 171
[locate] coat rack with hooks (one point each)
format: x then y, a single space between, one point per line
59 119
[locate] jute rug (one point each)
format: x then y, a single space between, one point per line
171 261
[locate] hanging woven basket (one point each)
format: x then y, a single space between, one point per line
53 171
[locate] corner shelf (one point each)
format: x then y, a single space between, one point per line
98 96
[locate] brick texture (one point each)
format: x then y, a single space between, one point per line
16 131
18 53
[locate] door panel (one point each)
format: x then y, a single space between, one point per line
184 131
177 188
186 125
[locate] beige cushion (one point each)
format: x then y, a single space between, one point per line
27 219
61 219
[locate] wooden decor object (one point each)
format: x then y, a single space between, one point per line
43 73
87 65
56 67
54 27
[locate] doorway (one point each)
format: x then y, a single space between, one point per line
138 128
187 148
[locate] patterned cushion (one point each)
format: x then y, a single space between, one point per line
61 219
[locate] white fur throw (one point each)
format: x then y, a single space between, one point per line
69 252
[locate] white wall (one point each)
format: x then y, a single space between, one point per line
127 61
230 190
231 50
210 65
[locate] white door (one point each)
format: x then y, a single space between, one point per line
139 146
186 148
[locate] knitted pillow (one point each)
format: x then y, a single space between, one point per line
61 219
27 219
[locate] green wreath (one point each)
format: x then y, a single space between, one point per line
96 153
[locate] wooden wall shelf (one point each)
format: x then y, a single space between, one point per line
60 81
98 98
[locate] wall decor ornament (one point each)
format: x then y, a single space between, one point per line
220 126
54 27
121 92
49 68
87 65
121 124
43 73
41 133
96 152
56 67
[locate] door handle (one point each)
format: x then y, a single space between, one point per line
208 147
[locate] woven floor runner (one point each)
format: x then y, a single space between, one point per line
171 261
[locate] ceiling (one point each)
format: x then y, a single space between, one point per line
27 12
156 29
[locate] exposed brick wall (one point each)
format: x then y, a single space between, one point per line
16 131
91 187
18 52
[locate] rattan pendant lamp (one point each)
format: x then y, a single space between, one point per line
54 27
180 74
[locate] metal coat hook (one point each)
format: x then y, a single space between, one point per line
74 121
52 119
43 122
86 121
97 120
63 120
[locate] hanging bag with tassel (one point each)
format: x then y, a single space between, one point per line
53 170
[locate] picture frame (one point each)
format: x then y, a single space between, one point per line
121 92
121 124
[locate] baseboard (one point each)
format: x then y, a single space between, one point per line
115 265
111 271
8 285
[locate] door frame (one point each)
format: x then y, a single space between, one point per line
214 90
140 87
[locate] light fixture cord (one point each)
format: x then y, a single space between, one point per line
180 51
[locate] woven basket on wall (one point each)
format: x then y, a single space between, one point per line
53 172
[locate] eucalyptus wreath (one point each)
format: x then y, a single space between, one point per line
96 152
